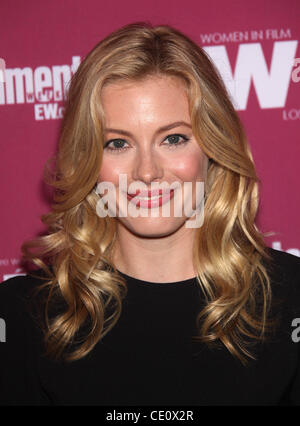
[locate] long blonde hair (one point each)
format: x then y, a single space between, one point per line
229 250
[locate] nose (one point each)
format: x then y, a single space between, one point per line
148 167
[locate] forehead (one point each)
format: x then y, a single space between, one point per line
159 80
153 96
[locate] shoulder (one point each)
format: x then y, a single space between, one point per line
283 266
17 294
283 259
284 274
21 286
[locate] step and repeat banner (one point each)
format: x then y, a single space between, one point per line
255 46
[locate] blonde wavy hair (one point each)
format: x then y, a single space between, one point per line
76 254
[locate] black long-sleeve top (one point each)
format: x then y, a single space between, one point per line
148 358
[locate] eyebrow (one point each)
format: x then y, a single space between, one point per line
160 130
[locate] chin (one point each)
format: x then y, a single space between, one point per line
153 227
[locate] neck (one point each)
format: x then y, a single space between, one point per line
163 259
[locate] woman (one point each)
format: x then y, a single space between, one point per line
144 308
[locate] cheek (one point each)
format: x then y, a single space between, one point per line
189 168
110 170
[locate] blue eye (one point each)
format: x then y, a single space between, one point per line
176 139
117 144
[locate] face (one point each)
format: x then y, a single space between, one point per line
148 137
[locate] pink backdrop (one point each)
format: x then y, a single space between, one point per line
254 44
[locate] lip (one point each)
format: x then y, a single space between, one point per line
156 198
149 193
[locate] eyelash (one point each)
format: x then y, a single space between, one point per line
170 146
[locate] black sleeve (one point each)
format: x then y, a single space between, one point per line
287 279
295 391
19 379
295 325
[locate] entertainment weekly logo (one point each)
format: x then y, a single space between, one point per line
46 87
